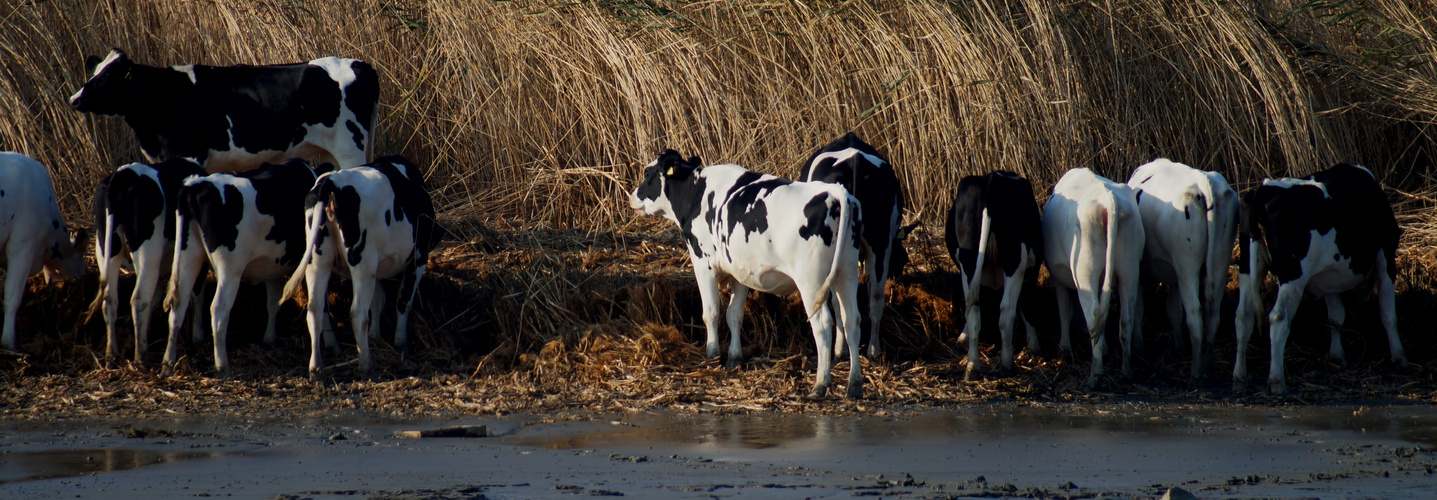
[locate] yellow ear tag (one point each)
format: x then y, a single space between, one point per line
670 172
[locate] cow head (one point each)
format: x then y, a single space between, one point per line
111 82
66 258
664 179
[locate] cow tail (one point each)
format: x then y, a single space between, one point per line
970 288
105 246
845 214
183 213
313 226
1110 217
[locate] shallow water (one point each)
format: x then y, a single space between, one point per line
985 450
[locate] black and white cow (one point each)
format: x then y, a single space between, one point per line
373 222
995 235
867 175
135 217
249 227
764 233
1093 238
1323 234
33 235
234 118
1190 221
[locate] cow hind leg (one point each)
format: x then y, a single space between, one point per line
364 284
317 284
735 321
1174 303
376 309
1007 309
1289 296
1387 309
972 326
1336 316
822 324
408 287
1064 298
709 295
1191 310
272 291
850 320
226 287
14 290
186 271
877 281
110 304
147 277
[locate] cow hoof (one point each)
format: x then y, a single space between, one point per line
874 353
818 392
971 374
855 391
223 374
733 362
1401 362
1092 384
963 338
1277 387
1239 387
167 370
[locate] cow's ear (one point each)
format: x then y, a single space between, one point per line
90 63
695 162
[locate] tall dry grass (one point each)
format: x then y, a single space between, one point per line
531 110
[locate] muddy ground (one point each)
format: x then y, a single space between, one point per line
989 450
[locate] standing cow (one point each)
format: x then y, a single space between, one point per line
1190 220
135 214
33 235
234 118
1093 237
248 227
372 223
763 233
1323 234
867 175
995 236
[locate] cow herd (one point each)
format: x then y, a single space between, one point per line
1102 241
226 191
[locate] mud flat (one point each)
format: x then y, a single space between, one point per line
989 450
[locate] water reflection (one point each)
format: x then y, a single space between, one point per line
762 431
24 466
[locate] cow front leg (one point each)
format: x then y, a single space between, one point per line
735 320
709 295
1336 316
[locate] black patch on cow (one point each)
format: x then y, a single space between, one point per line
1187 215
2 193
362 96
1138 196
1356 208
136 201
356 133
386 217
345 207
1014 221
280 193
98 206
263 107
710 212
217 213
745 202
815 212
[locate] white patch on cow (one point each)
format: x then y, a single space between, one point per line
1364 169
188 70
114 55
844 155
341 70
1291 182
